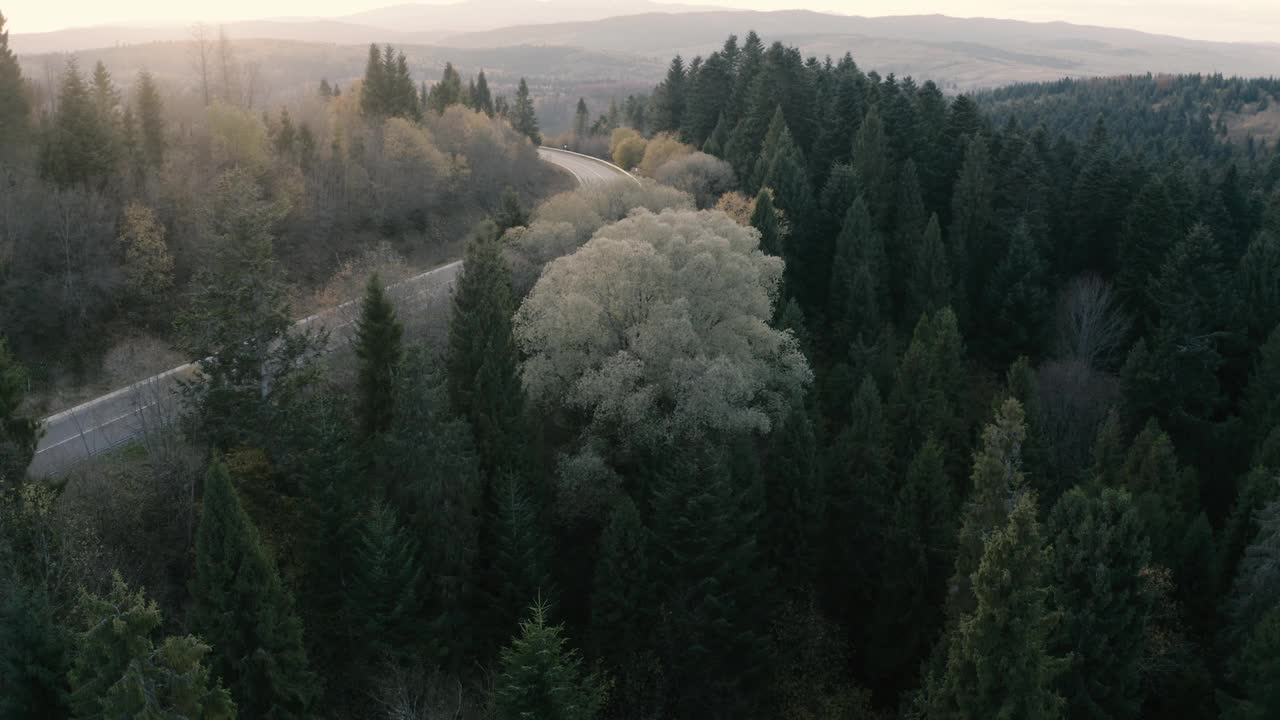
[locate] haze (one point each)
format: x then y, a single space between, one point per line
1224 20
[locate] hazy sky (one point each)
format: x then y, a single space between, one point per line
1245 20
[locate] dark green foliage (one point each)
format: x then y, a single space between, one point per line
706 100
928 395
519 552
794 500
151 119
120 672
873 167
622 602
1256 590
710 586
541 677
859 296
484 386
244 611
1255 671
666 109
378 348
14 110
524 118
929 283
1262 394
388 89
1151 227
998 662
34 655
18 432
1259 275
1018 304
382 601
510 212
765 218
975 250
1100 553
79 146
481 99
447 92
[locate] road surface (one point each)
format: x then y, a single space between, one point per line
125 414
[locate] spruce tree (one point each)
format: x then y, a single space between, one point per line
929 283
582 120
929 392
447 92
510 212
14 109
1150 229
794 501
1018 302
382 602
518 552
766 219
151 117
666 112
998 664
622 605
35 654
974 248
482 100
524 118
1259 280
873 166
909 222
19 433
1100 555
997 478
120 672
374 100
1255 671
541 677
859 295
244 611
484 384
79 146
378 348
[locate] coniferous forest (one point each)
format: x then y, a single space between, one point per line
866 402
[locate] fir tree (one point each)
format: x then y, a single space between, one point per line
326 90
873 166
18 432
1100 554
14 110
765 218
482 101
374 91
974 250
909 222
1150 228
484 384
794 501
1259 276
151 117
859 273
120 672
929 283
928 393
582 120
666 111
1255 671
378 347
540 677
1017 300
524 118
519 552
447 92
243 609
622 606
382 596
510 212
34 655
998 664
79 147
706 101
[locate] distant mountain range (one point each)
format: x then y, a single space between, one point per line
958 53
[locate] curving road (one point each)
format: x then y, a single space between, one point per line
125 414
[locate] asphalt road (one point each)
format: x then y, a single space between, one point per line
125 414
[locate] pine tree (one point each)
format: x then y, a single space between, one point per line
382 596
998 665
842 114
374 100
711 583
106 98
34 655
540 677
14 109
120 672
510 212
518 552
859 294
622 606
18 432
928 394
929 283
79 147
765 218
482 100
244 611
706 100
1100 554
447 92
1255 671
523 116
1018 303
666 112
484 384
997 481
787 176
151 116
378 347
582 120
873 166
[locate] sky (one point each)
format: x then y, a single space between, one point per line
1228 20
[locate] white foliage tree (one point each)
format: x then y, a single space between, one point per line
659 327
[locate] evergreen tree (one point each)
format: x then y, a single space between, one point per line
79 147
1259 277
519 552
787 176
622 606
1150 228
998 664
447 92
974 250
482 100
929 283
244 610
794 501
151 117
582 120
706 101
14 109
1100 554
928 393
510 212
106 98
873 166
1018 303
540 677
19 433
378 348
285 137
842 114
523 116
1261 399
326 90
1255 671
382 596
484 384
1256 588
717 141
375 92
766 219
909 222
666 112
997 481
34 655
859 295
120 672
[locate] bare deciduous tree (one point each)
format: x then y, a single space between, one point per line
1091 327
200 56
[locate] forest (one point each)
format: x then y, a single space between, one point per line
865 402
